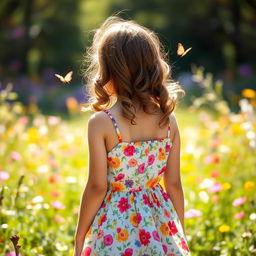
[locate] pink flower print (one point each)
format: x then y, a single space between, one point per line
156 235
165 196
129 150
123 204
127 252
173 228
120 176
141 168
87 251
167 148
147 201
151 159
164 248
162 170
108 240
239 201
184 244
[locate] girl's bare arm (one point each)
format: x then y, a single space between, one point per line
96 186
172 180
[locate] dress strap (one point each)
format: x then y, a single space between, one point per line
169 129
115 124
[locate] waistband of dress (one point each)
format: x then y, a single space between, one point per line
139 188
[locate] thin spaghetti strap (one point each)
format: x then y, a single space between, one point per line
169 129
115 124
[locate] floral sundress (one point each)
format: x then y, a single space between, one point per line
136 217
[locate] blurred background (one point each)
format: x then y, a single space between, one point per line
43 149
39 38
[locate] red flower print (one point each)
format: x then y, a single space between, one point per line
164 248
108 240
184 244
127 252
162 170
87 251
120 176
156 235
147 201
141 168
129 150
173 228
102 219
123 204
144 237
100 234
151 159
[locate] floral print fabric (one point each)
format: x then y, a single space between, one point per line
137 217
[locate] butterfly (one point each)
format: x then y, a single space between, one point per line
67 78
181 51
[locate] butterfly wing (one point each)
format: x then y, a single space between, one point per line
68 77
184 53
180 49
61 78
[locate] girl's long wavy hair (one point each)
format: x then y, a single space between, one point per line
131 59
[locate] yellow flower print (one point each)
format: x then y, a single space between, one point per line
152 182
117 186
122 234
114 162
135 218
165 229
132 162
88 232
161 155
132 199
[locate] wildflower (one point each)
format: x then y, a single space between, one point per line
239 201
192 213
249 185
216 187
57 205
252 216
224 228
4 175
226 186
239 215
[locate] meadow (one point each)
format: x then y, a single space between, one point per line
44 167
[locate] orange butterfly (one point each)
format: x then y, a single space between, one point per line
67 78
181 51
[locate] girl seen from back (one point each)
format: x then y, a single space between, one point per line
134 142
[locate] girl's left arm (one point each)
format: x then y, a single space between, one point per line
96 186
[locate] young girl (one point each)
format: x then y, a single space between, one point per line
133 142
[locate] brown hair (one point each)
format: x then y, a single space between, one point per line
130 59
